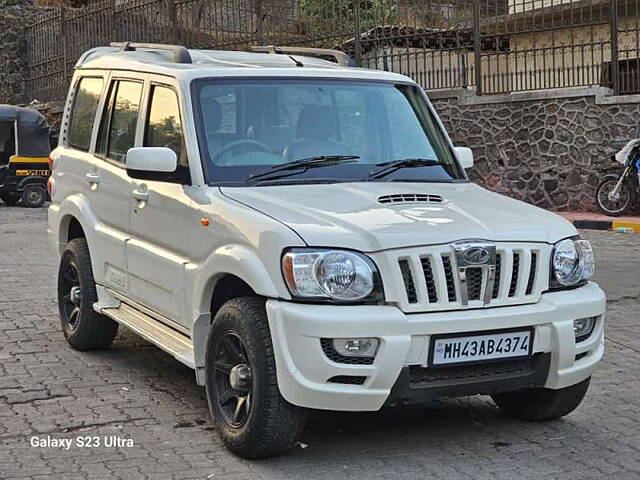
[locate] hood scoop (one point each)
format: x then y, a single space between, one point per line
411 198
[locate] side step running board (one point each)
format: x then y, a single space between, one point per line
166 338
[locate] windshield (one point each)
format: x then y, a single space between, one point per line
248 127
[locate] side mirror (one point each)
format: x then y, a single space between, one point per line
465 157
152 163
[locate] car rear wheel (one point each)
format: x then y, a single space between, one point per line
83 327
34 196
540 404
252 419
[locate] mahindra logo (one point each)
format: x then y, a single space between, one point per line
477 256
474 252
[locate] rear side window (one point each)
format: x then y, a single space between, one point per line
84 112
119 120
164 128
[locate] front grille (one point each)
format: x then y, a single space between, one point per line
474 283
329 351
431 280
496 285
407 278
515 271
448 273
348 379
476 372
532 273
428 278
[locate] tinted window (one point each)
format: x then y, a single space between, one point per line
103 132
84 112
164 128
122 132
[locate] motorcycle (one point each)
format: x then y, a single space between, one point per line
617 195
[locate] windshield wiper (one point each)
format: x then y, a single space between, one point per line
389 167
305 163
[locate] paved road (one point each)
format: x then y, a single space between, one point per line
135 391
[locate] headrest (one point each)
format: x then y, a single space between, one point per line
212 113
316 123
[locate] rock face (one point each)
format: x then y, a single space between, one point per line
14 15
548 152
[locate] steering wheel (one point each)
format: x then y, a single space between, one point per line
245 145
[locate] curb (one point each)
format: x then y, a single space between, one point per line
615 225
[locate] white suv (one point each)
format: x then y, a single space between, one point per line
304 236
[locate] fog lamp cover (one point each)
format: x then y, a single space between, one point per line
356 347
583 327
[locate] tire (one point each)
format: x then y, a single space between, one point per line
264 424
10 200
541 404
610 207
84 328
34 196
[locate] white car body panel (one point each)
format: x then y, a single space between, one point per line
348 215
166 254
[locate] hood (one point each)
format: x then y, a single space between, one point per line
350 215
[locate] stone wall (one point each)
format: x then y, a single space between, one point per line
14 15
548 148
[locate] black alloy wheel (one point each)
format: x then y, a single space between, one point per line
71 300
233 382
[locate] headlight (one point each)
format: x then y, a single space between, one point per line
572 263
331 275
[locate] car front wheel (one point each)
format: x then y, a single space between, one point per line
252 419
540 404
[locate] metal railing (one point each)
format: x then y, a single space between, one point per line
489 46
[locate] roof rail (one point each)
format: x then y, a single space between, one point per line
341 58
180 53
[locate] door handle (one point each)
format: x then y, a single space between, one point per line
141 195
93 178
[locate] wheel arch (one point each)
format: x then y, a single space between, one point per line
31 181
75 221
232 271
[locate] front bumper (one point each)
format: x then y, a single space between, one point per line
304 370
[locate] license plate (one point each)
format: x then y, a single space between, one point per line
481 347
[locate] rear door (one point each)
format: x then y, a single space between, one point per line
81 173
110 186
157 252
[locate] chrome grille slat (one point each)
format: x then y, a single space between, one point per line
430 280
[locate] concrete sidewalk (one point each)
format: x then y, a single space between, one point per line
597 221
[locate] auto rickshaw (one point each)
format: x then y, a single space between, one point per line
25 144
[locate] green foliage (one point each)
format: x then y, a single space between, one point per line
341 13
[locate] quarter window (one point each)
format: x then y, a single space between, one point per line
164 128
84 112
